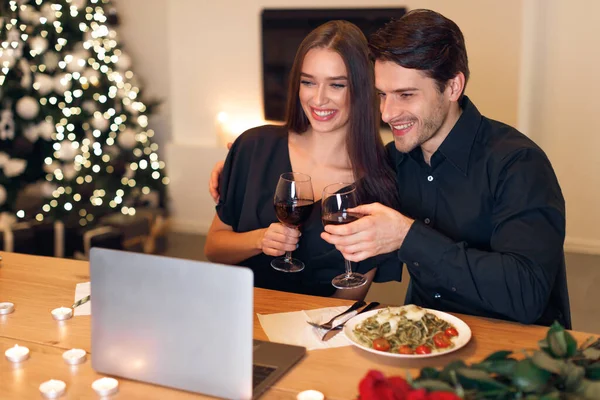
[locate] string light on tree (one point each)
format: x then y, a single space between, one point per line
79 96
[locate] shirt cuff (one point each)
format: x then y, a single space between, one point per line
423 247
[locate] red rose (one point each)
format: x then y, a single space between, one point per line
375 386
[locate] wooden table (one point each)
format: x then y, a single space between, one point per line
39 284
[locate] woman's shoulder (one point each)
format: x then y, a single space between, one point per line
262 135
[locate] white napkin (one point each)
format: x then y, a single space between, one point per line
82 290
291 327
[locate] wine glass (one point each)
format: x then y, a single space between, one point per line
293 202
336 199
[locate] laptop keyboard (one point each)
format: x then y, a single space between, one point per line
260 373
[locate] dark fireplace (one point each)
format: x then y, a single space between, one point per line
282 33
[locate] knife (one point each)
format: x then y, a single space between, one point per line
338 328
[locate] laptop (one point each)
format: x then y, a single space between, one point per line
181 323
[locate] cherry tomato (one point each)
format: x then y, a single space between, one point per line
441 341
451 332
423 349
406 349
381 344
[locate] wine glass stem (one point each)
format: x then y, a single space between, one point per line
348 268
288 256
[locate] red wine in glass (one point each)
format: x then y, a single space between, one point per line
293 213
336 200
293 203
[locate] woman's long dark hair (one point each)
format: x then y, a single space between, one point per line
373 174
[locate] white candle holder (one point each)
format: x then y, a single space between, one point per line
6 308
105 386
62 313
53 388
310 395
17 354
74 356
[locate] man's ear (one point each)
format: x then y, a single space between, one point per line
456 86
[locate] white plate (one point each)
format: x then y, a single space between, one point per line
464 334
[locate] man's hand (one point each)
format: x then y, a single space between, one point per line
213 181
381 230
278 238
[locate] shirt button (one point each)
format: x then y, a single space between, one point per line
427 221
416 263
430 178
437 296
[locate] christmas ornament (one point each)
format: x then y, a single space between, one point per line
79 4
48 12
27 107
61 83
43 83
38 44
51 60
67 152
69 171
46 129
26 73
14 167
31 133
100 123
89 106
50 168
124 62
29 15
126 139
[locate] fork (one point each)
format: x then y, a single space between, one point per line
336 329
328 325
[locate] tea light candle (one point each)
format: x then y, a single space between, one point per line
53 388
6 308
310 395
74 356
62 313
17 353
105 386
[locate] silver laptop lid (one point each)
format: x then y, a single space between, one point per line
173 322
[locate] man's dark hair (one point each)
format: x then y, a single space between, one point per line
424 40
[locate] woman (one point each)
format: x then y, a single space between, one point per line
332 135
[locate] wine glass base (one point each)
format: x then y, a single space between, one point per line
287 265
351 281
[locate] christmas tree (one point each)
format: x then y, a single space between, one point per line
73 129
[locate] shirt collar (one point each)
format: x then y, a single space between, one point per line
456 148
459 142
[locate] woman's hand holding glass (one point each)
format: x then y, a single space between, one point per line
278 238
293 203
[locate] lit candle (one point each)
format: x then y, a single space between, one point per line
6 308
310 395
105 386
62 313
17 353
74 356
53 388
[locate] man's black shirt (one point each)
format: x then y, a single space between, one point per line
489 224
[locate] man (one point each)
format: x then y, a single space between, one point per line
481 223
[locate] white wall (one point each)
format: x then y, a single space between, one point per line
564 107
532 64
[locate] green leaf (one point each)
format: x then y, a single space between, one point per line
575 375
453 366
478 379
546 362
593 371
499 355
429 373
433 385
500 367
591 354
551 396
528 377
561 343
589 389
